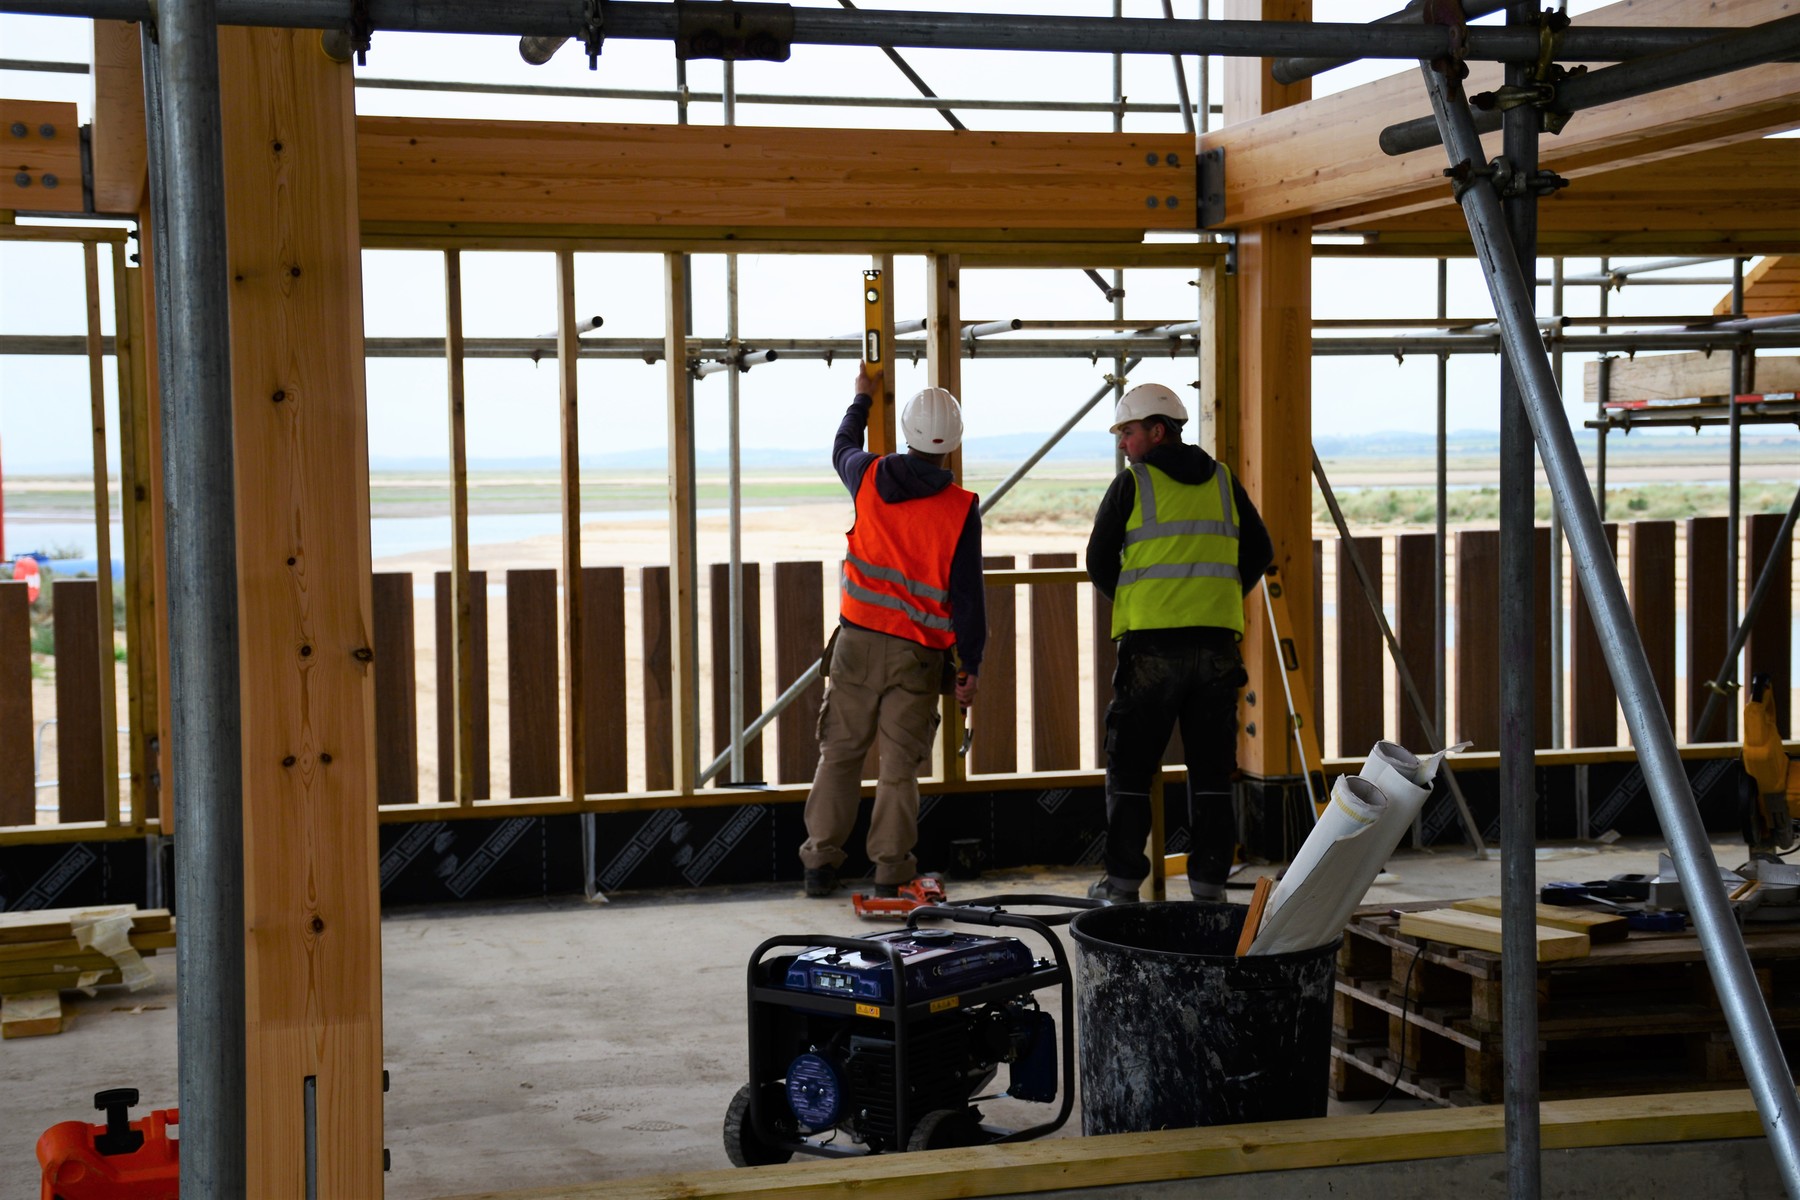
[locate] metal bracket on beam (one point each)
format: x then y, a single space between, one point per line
734 32
1211 168
593 32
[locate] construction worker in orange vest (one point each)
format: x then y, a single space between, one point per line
910 593
1176 546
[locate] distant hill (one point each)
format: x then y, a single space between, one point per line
1091 447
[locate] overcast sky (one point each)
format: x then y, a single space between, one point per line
512 410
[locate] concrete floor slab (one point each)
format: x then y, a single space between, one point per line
548 1043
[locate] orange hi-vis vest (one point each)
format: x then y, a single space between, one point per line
896 573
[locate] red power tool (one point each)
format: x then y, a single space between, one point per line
926 889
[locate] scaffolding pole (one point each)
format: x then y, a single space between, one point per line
186 154
1719 55
1752 1031
943 31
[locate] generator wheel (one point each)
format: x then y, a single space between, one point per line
742 1145
943 1128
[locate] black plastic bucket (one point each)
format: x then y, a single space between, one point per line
1177 1031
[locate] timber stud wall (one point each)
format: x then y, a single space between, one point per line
1672 572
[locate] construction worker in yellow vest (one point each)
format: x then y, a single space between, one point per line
1176 546
910 594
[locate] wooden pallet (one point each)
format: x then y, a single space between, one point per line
1634 1016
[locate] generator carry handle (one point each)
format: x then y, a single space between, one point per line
978 910
987 911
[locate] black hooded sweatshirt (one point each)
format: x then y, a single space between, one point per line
1183 463
903 477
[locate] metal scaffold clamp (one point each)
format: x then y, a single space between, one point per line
361 31
1549 75
1507 179
593 31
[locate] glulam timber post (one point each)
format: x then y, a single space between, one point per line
1274 433
684 692
311 897
943 367
568 354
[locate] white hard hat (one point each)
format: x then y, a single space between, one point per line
932 422
1148 400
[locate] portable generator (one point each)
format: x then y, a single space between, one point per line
885 1043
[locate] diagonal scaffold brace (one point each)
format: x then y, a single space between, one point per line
1746 1013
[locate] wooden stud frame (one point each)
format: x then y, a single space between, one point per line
109 738
568 351
462 630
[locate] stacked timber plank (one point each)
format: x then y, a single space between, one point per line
1634 1014
45 952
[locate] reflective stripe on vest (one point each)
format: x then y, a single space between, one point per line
1179 564
895 577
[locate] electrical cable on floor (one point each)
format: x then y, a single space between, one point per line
1405 998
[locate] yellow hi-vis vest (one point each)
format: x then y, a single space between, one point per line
1179 566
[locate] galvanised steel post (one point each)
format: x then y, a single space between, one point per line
1772 567
200 512
1752 1031
1518 658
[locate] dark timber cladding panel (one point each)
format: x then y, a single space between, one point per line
396 690
751 687
659 703
1360 650
799 638
531 700
1478 638
1593 705
81 794
1055 723
1708 542
1317 679
995 717
603 677
1415 625
1540 616
1770 646
17 794
446 686
1652 546
1106 661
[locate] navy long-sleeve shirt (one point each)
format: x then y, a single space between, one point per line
903 477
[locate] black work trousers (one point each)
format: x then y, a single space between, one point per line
1163 678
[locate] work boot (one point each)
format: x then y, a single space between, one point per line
1212 893
1105 889
821 881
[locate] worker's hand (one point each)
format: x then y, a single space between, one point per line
865 382
965 690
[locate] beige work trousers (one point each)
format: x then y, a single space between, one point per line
881 690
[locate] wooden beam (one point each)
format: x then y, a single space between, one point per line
683 652
1120 1161
1772 286
1735 191
1689 376
312 903
670 176
1322 158
1482 932
43 166
1274 442
120 165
